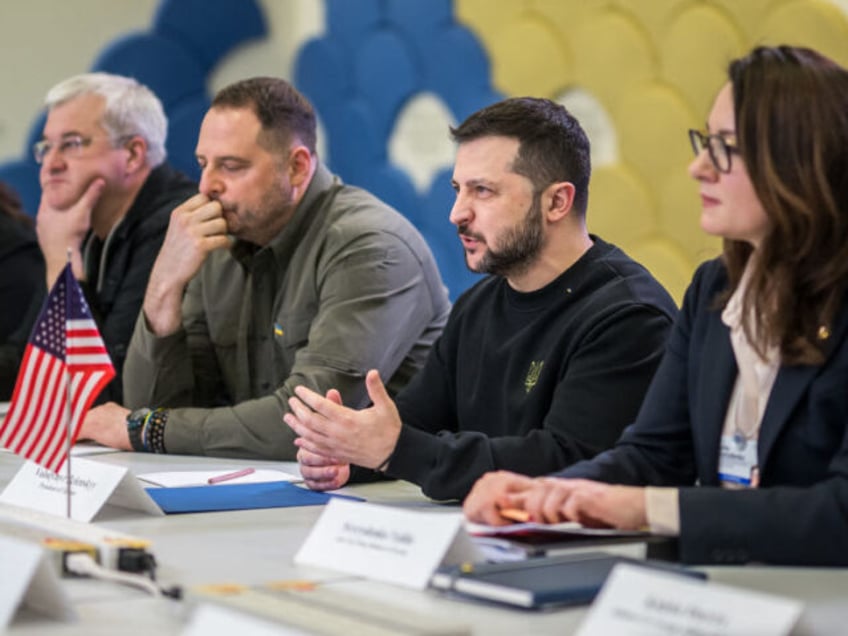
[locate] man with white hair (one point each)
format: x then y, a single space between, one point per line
107 195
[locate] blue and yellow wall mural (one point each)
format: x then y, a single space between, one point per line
638 73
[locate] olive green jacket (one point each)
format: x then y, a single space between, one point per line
347 286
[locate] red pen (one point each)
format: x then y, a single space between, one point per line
217 479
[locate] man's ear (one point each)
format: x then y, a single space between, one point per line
300 166
136 148
558 200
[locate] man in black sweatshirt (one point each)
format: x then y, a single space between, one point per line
543 363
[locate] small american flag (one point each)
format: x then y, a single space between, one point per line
64 345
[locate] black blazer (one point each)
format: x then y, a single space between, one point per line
799 514
22 290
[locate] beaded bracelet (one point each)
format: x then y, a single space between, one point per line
153 435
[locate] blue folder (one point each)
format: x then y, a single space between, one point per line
237 497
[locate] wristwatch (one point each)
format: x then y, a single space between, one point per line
135 427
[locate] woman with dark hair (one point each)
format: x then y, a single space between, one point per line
21 285
740 448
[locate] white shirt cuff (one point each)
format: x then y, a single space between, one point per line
663 511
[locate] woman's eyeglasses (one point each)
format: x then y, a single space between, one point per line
718 148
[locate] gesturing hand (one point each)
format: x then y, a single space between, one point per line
365 437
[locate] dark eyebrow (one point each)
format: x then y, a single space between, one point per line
470 183
720 131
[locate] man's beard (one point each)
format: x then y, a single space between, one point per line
262 222
517 248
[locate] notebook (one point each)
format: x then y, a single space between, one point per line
544 582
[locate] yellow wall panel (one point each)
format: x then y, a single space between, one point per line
621 205
808 23
666 261
747 14
651 122
679 217
703 38
533 60
488 17
613 54
652 15
566 16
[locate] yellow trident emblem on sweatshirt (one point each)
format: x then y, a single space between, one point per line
533 375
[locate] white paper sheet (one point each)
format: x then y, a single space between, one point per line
178 479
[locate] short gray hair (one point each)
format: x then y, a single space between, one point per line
131 109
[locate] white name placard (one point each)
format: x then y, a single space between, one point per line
93 484
636 601
214 620
387 544
29 580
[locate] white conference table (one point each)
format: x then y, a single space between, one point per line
253 547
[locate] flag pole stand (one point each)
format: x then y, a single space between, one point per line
69 440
